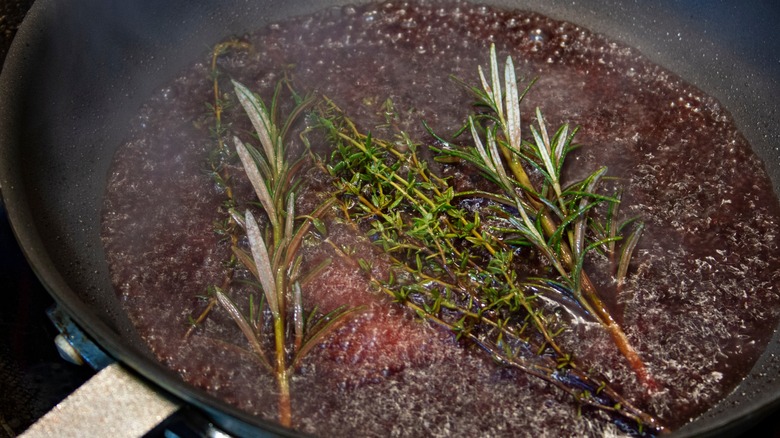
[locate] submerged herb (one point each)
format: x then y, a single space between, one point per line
561 215
459 256
279 331
273 258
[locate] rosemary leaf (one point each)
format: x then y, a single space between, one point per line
258 182
265 271
258 115
514 131
327 325
626 252
244 325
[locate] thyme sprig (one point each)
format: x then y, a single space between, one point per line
461 267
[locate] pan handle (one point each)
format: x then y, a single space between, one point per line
115 402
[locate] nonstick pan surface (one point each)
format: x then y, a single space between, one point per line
79 70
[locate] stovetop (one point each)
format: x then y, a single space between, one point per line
33 377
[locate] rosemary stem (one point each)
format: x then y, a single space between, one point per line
516 167
588 296
618 335
285 401
589 299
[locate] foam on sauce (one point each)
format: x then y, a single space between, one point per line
699 308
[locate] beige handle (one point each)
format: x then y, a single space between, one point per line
113 403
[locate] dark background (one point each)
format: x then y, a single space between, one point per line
33 378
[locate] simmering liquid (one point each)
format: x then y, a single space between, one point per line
702 297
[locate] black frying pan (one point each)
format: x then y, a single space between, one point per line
79 70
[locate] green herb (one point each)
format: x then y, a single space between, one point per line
273 258
279 332
561 215
459 256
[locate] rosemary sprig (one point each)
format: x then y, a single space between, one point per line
273 257
555 219
459 267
